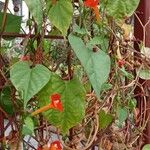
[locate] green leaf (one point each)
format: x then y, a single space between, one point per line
5 100
122 114
146 147
60 15
13 23
100 40
104 119
126 74
28 127
73 99
35 8
132 103
120 9
79 30
96 64
106 86
144 74
29 81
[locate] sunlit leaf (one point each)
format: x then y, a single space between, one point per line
73 100
60 15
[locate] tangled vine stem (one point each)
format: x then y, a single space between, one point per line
60 59
4 20
91 139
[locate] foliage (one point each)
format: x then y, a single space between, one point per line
104 119
28 81
60 15
5 100
96 64
73 98
28 127
122 114
146 147
86 68
13 23
120 9
36 13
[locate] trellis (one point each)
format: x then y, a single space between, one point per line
144 14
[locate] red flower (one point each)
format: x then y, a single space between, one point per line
55 96
56 102
56 145
121 63
94 5
91 3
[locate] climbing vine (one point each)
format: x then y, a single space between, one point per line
72 76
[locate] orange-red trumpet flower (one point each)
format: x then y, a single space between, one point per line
56 145
91 3
55 104
94 5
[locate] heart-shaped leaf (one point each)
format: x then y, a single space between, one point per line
29 81
73 100
60 15
96 64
